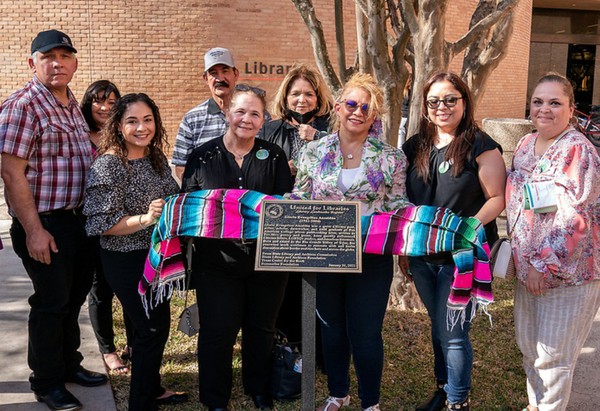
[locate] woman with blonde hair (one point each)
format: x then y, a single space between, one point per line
351 164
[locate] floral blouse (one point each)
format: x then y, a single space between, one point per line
564 245
380 183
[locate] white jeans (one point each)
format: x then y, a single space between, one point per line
551 330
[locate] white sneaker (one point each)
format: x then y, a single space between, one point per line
373 408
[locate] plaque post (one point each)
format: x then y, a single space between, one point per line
309 293
309 237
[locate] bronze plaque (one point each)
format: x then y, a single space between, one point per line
309 236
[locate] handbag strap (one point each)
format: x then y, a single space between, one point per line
510 231
189 250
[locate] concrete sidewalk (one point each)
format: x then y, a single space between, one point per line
15 394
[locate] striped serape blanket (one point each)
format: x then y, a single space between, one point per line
411 231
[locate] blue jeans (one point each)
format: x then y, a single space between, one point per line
351 308
452 350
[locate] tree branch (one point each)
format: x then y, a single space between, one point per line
504 8
315 29
409 15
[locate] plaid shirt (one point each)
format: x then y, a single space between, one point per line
53 138
201 124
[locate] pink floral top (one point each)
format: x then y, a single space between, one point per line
564 245
380 183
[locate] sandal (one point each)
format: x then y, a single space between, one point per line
113 363
334 402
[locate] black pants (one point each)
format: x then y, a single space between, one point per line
100 305
229 301
59 290
123 272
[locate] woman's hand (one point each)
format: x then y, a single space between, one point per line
403 265
535 281
306 132
293 168
154 211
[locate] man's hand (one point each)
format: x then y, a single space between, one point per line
39 244
39 241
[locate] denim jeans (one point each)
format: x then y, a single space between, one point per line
452 350
351 308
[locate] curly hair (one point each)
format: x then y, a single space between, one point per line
367 83
459 150
112 139
97 91
301 71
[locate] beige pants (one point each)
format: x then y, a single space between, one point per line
550 331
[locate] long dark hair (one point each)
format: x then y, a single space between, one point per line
97 91
112 139
459 150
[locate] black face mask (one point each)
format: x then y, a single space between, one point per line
302 118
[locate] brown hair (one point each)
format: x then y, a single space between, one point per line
459 150
554 77
112 139
324 100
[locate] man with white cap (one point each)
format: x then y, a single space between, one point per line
207 120
46 154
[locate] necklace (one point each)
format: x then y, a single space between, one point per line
240 156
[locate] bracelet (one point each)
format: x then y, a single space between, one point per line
140 222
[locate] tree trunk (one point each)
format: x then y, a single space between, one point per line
339 38
403 294
433 53
483 56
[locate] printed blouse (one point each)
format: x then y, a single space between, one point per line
380 183
115 190
562 244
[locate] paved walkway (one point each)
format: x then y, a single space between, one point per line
15 394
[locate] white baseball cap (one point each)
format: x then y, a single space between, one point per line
217 55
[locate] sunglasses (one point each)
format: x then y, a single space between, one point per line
448 102
352 105
245 87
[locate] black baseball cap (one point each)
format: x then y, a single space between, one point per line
49 39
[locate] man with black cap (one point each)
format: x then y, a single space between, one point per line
207 120
46 155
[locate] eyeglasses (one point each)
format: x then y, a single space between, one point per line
352 105
245 87
448 102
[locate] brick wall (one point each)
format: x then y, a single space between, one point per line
157 46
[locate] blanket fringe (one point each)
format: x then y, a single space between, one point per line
458 314
157 293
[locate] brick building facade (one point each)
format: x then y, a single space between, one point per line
156 46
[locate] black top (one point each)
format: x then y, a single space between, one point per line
211 166
285 135
463 194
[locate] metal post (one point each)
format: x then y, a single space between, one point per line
309 302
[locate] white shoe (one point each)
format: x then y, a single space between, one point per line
373 408
334 403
